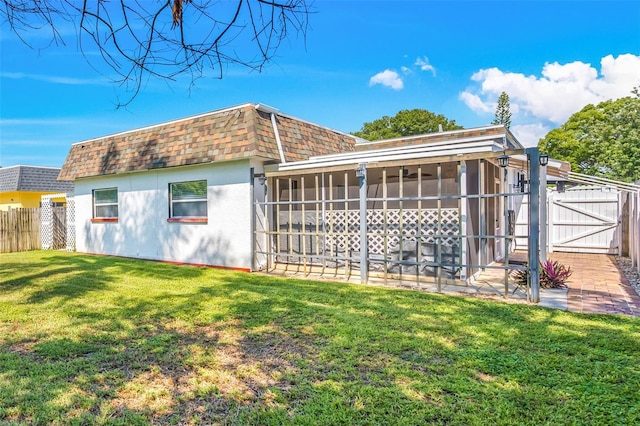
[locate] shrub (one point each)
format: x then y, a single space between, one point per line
552 275
521 277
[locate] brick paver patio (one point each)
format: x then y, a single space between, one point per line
597 285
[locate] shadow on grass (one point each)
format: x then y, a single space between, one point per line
240 348
67 277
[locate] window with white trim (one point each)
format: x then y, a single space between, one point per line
105 203
188 200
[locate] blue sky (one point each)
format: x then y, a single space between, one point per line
361 60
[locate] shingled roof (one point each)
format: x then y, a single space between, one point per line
33 179
245 131
498 132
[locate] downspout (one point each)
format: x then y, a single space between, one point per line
272 112
278 140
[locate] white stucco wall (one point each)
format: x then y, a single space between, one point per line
142 230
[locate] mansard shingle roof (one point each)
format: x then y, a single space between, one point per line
245 131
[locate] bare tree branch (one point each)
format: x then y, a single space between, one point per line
164 39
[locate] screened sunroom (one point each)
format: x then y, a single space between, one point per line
435 208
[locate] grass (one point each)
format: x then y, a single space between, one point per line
102 340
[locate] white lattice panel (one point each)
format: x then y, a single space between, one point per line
46 223
71 223
344 235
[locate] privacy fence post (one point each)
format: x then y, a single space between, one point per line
361 173
533 155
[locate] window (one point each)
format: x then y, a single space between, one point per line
188 201
105 205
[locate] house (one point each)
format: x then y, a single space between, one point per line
182 191
23 186
251 188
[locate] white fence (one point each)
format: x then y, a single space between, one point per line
602 217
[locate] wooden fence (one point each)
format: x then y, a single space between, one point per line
19 230
59 228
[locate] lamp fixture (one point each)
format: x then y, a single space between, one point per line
544 159
503 160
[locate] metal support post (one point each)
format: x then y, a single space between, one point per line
506 231
254 212
361 173
543 213
636 217
463 209
533 155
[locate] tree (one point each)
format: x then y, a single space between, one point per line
163 39
503 111
405 123
601 140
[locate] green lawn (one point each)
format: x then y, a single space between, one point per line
103 340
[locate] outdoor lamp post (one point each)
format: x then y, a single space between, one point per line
544 159
503 160
533 157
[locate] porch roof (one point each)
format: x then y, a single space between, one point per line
556 168
458 143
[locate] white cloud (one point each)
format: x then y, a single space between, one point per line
424 65
36 122
529 134
475 103
560 91
387 78
406 70
54 79
35 142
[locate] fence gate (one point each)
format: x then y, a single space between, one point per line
580 219
585 219
57 224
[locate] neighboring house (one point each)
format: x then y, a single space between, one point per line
23 186
251 188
